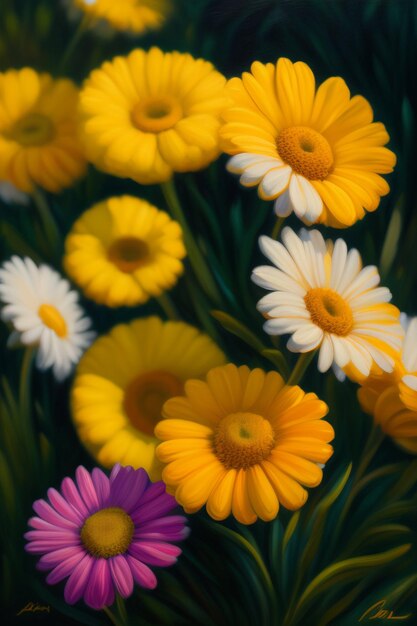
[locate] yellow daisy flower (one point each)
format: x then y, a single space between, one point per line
123 380
392 398
315 152
38 136
136 16
150 114
124 251
243 442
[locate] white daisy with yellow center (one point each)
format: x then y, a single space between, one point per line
326 300
44 312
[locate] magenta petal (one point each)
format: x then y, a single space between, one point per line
77 581
101 485
46 512
41 524
164 523
63 508
126 491
116 469
151 510
71 493
155 553
99 591
172 535
122 575
60 534
55 557
86 489
142 575
65 569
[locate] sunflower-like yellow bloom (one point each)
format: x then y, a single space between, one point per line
123 380
38 134
243 442
123 251
315 152
150 114
392 398
136 16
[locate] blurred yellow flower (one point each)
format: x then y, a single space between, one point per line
243 442
123 380
38 136
392 398
136 16
150 114
317 153
123 251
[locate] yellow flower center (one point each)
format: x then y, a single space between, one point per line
53 319
156 114
243 439
33 130
329 311
306 151
128 253
146 394
107 532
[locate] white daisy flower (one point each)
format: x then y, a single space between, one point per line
323 297
44 312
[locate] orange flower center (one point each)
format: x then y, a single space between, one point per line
156 114
128 253
329 311
306 151
53 319
145 396
33 130
107 532
243 440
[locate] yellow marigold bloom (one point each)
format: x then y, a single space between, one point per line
123 380
150 114
392 398
136 16
38 135
315 152
243 442
124 251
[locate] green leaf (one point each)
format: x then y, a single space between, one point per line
344 572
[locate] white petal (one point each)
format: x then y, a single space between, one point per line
238 163
278 254
410 381
325 354
282 205
410 346
341 352
352 268
339 257
306 201
305 339
274 182
275 280
368 278
284 326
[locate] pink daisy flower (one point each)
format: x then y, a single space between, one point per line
102 534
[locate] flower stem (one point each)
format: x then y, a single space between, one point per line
113 618
74 41
168 307
49 226
300 368
197 260
277 227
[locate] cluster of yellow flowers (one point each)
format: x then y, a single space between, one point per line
160 395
